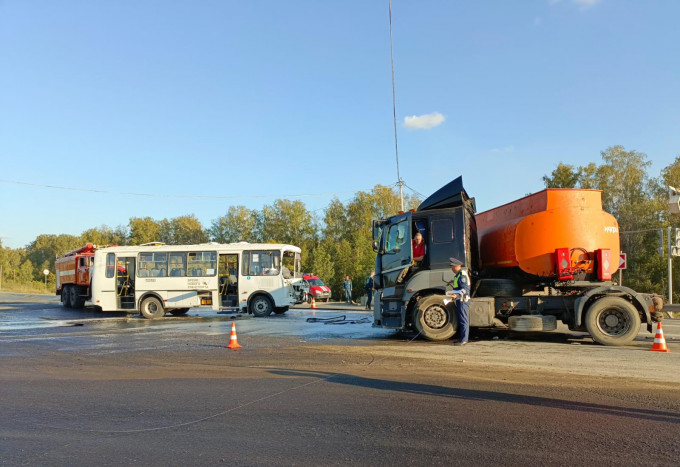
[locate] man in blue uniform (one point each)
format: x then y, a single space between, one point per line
461 293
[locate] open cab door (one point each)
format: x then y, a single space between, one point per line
394 250
378 225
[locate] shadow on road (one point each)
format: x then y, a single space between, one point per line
478 395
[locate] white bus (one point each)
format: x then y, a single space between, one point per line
155 278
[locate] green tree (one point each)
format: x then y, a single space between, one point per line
26 272
104 235
564 176
237 225
321 263
144 230
187 230
46 248
287 222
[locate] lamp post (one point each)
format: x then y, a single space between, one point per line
47 273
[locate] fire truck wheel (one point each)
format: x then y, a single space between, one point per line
66 296
73 296
612 321
152 308
179 311
261 306
434 320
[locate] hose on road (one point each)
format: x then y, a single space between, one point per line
341 319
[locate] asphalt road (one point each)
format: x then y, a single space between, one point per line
82 388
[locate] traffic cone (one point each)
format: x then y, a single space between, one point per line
659 341
233 342
313 304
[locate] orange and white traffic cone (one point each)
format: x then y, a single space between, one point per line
233 342
659 341
313 304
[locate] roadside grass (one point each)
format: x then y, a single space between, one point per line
34 287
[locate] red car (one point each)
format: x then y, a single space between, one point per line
317 289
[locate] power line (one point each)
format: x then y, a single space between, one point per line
414 191
162 195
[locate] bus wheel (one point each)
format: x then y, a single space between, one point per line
434 320
152 308
179 311
261 306
612 321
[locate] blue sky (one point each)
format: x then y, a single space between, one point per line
261 100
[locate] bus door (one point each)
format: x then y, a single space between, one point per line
228 274
125 282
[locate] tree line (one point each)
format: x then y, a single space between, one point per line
337 242
334 244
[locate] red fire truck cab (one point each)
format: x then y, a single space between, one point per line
73 276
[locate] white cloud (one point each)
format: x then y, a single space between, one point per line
424 122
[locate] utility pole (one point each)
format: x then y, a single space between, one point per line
670 268
394 115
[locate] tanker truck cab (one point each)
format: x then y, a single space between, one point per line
411 295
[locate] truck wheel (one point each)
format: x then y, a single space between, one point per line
261 306
152 308
434 320
179 311
498 288
73 296
66 296
612 321
78 302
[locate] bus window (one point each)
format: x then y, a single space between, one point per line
263 263
245 263
153 265
178 264
110 265
202 263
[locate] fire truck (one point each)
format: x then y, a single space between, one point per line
73 276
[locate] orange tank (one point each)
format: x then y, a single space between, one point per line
526 233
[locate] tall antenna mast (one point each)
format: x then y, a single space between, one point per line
394 115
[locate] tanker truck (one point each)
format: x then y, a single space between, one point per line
548 256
